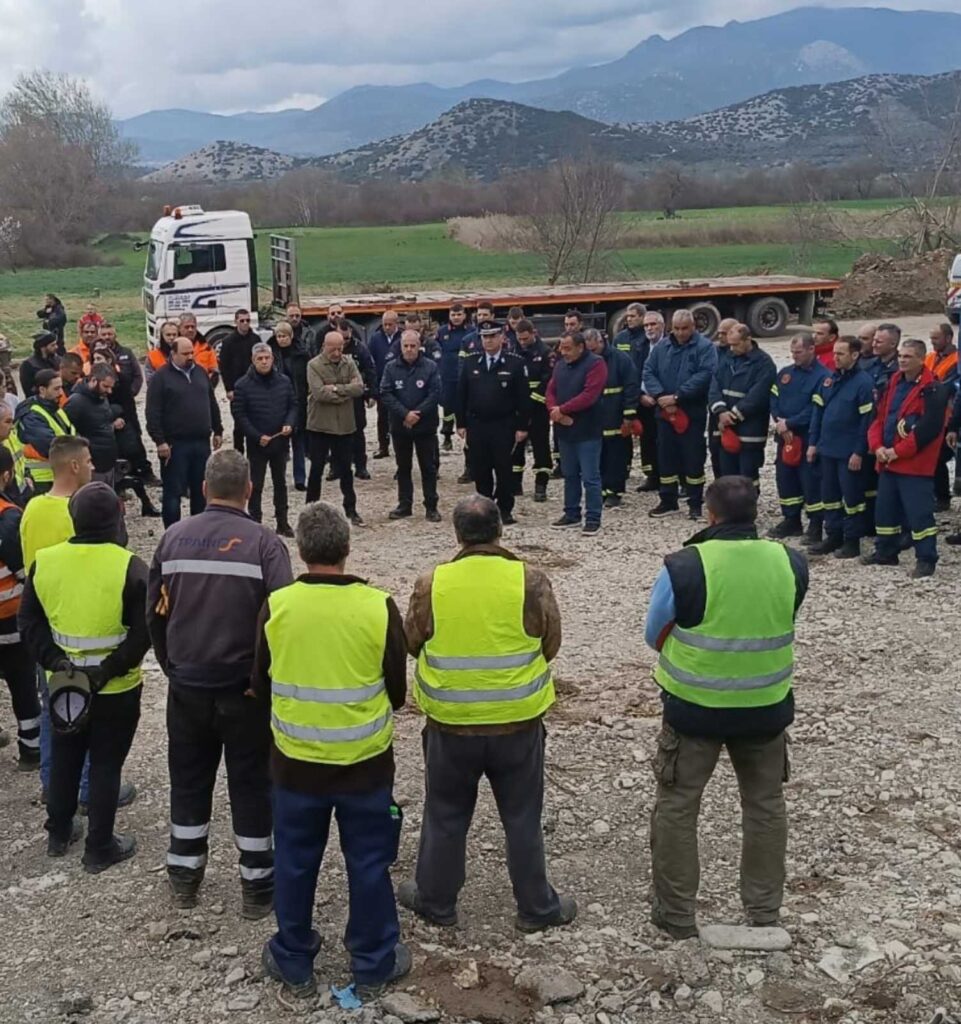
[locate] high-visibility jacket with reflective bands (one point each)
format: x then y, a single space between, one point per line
37 464
14 445
11 587
741 655
81 589
329 703
480 667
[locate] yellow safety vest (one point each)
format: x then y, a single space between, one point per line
329 703
81 589
480 667
15 446
61 426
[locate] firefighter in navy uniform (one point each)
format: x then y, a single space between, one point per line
450 338
493 414
538 360
618 412
843 404
798 485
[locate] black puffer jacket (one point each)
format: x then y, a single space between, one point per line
93 417
292 361
263 404
234 359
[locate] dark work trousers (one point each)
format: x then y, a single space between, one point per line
491 451
514 765
906 499
383 427
942 482
681 456
275 456
337 448
425 445
539 439
202 725
369 827
20 673
648 418
239 439
359 440
130 443
713 445
683 766
869 473
615 464
107 736
747 462
298 451
183 474
448 401
842 493
46 744
799 487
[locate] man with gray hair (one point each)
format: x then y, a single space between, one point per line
483 628
331 658
264 408
208 582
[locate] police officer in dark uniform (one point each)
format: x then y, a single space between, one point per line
493 414
539 362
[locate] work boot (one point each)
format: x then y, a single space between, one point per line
401 512
922 570
29 760
664 508
126 796
408 896
875 559
57 847
297 989
814 534
830 544
786 528
433 516
565 913
257 899
122 848
676 931
149 511
540 488
362 474
185 889
849 549
402 966
650 484
284 528
694 512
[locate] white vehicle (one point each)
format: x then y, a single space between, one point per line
953 307
202 263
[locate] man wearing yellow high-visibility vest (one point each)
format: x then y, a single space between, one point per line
332 657
483 628
9 439
721 615
39 420
84 610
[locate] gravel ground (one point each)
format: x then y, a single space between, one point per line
873 903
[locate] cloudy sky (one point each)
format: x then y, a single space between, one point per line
232 55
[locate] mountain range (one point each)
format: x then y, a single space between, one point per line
658 80
900 119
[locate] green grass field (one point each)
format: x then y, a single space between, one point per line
345 260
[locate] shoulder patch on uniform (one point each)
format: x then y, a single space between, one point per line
828 381
785 378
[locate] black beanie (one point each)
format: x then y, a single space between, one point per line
95 511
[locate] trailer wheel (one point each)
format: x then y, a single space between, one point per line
767 317
707 318
616 322
216 337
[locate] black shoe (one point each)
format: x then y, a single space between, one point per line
362 474
827 546
299 990
465 478
613 501
149 512
433 516
953 539
942 504
676 931
29 760
57 847
184 892
409 897
126 796
564 522
663 509
540 490
694 512
402 966
356 520
382 453
875 559
507 519
922 570
284 529
303 487
122 848
650 484
905 541
591 528
401 512
332 474
448 445
565 914
786 528
849 549
256 903
814 533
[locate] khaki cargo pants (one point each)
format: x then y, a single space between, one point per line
683 766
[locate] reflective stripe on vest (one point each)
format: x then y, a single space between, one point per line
329 703
61 426
741 654
81 589
11 583
14 445
477 606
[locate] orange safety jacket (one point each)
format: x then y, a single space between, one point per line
944 365
11 586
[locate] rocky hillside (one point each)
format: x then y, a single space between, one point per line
226 161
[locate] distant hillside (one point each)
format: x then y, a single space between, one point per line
226 161
658 80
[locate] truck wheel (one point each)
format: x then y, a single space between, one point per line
215 338
707 317
767 317
616 322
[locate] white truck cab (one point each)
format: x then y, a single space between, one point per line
203 263
953 306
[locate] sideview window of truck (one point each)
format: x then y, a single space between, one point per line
198 259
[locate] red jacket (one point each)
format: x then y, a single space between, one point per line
825 354
922 418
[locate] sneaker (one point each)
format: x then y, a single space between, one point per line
613 501
827 546
57 847
122 848
297 989
283 529
676 931
564 522
126 796
356 519
433 516
590 529
507 519
922 570
256 903
401 512
786 528
362 474
465 478
849 549
409 897
565 914
663 509
29 760
650 485
382 453
694 512
402 965
814 533
875 559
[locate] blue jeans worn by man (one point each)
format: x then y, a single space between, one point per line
581 466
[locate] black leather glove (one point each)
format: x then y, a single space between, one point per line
96 678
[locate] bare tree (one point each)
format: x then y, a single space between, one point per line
666 186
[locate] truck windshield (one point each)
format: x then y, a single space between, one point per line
154 254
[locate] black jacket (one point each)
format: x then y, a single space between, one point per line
292 363
181 409
235 356
54 319
93 417
690 601
360 354
742 386
263 404
411 387
29 369
498 394
129 382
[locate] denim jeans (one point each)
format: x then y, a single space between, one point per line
46 741
581 466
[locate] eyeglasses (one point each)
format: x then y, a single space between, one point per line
243 320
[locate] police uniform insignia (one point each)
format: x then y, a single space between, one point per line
902 429
785 378
828 381
419 383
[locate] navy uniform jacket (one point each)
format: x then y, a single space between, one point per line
741 385
682 370
538 359
843 407
880 373
635 343
411 387
493 395
621 392
450 339
792 395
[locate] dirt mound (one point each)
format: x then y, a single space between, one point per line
879 285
